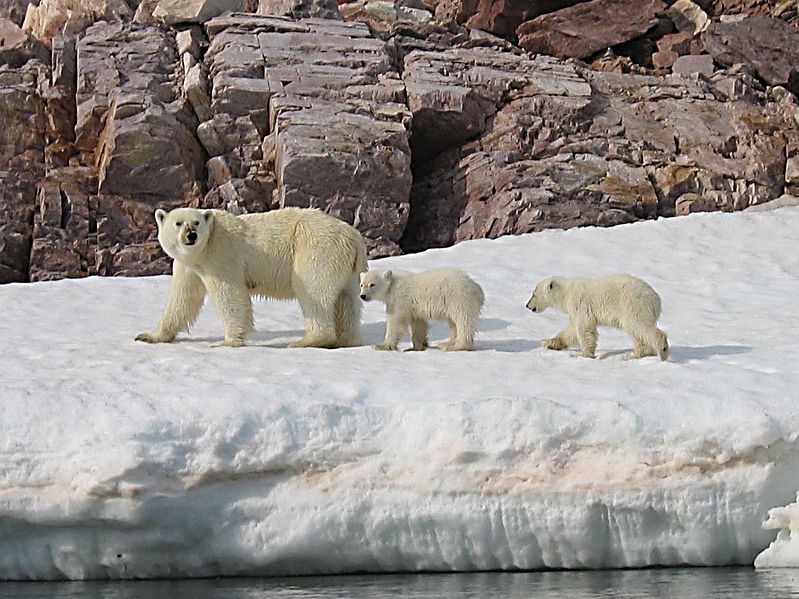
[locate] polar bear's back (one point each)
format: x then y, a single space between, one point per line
289 233
290 247
437 294
621 298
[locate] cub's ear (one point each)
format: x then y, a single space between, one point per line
387 275
207 215
552 285
159 216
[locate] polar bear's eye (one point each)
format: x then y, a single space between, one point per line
179 224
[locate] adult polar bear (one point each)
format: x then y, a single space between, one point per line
289 253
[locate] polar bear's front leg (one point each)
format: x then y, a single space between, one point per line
233 302
396 327
183 305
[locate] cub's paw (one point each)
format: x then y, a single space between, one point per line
386 347
233 343
555 343
153 338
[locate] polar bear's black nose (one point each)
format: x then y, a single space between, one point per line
363 296
191 237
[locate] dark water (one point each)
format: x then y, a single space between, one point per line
687 583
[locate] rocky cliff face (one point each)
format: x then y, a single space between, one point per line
421 123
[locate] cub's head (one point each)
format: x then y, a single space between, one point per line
184 232
375 284
544 294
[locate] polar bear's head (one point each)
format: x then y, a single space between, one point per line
375 285
544 294
184 232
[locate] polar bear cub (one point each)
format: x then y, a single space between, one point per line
290 253
621 301
414 298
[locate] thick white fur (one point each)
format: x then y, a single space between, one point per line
284 254
621 301
414 298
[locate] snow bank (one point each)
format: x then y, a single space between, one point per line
120 459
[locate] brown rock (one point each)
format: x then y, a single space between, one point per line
769 46
300 9
171 12
51 18
589 27
692 202
147 155
503 17
670 47
688 17
17 47
129 115
13 10
688 65
22 136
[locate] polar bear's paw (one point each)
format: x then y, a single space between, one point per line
555 343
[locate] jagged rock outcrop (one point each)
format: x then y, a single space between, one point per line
22 137
556 145
420 133
121 143
331 127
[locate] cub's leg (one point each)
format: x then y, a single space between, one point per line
464 340
587 336
419 330
396 327
563 340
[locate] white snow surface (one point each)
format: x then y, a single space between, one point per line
120 459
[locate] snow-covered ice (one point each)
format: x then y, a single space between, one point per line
121 459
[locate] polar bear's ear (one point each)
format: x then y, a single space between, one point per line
207 215
159 216
387 275
552 285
